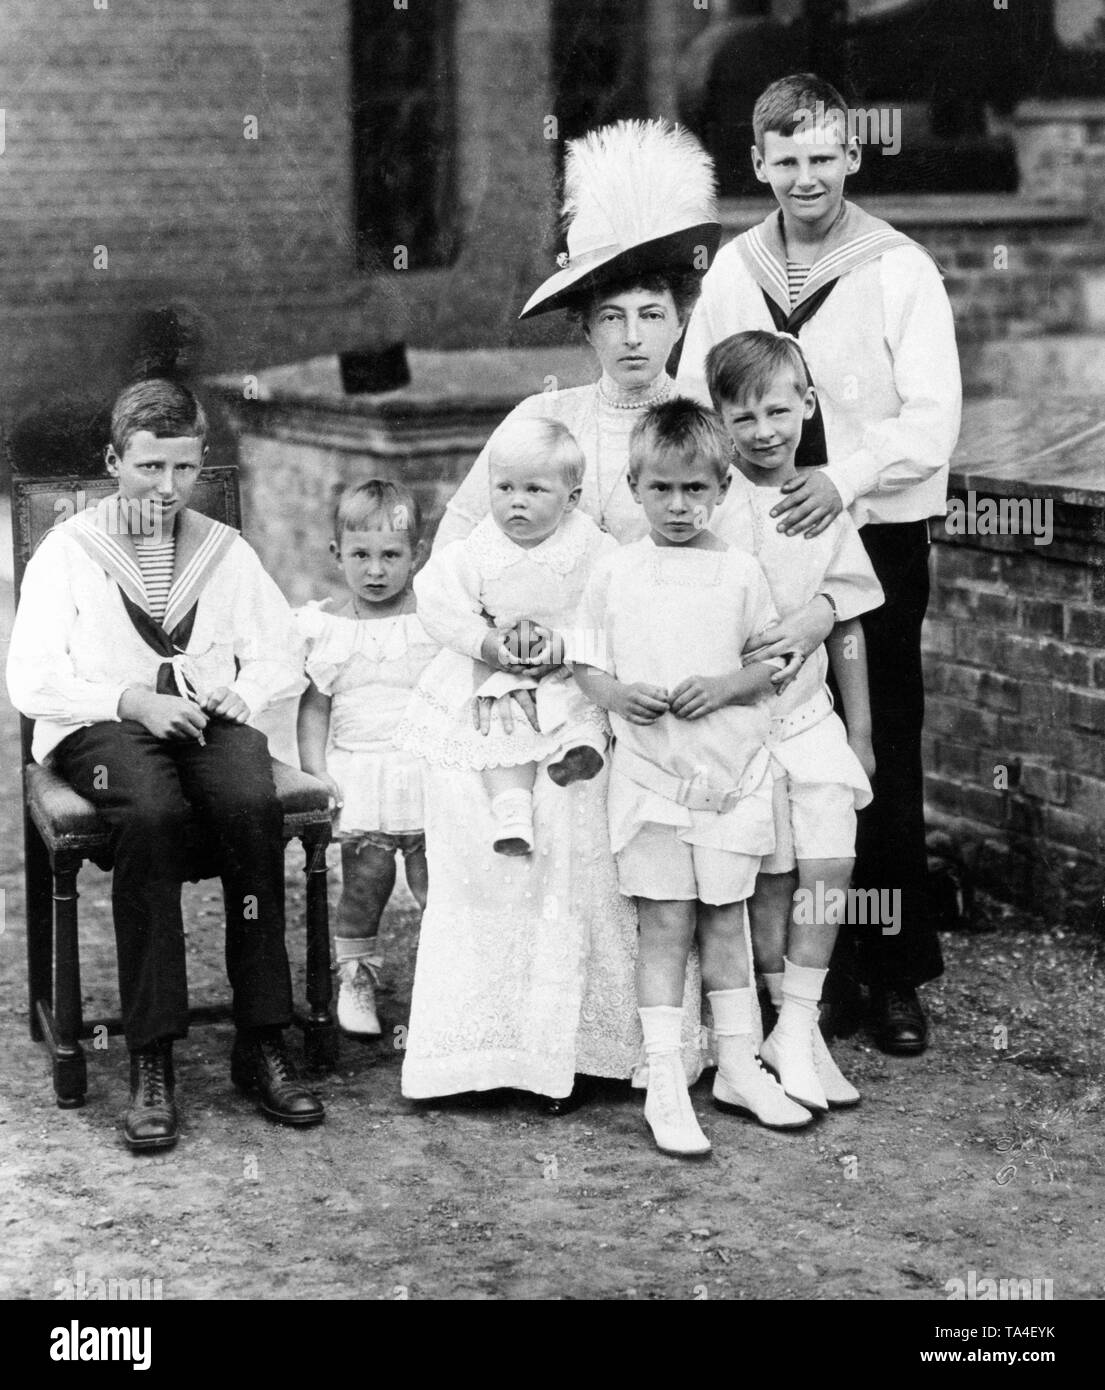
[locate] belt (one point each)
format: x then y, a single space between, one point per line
785 726
696 793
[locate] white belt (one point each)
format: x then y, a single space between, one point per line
785 726
696 793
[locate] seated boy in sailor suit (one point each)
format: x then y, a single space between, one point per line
147 638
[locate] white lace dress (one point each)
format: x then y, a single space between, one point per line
488 573
525 970
368 668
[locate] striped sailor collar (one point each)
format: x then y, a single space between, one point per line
201 542
854 239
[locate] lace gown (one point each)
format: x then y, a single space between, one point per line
525 971
488 573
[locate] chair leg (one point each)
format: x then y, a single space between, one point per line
320 1034
70 1072
40 925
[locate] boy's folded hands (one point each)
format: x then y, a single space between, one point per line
173 717
699 695
641 704
165 716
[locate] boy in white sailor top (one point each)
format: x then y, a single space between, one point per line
147 637
875 326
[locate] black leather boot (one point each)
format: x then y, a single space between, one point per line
260 1062
898 1020
151 1120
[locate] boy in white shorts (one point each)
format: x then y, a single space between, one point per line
761 388
659 642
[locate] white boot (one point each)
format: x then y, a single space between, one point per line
668 1108
358 968
513 815
839 1091
789 1049
741 1084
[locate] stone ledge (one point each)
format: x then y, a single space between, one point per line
443 384
1035 449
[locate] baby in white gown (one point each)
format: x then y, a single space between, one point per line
498 601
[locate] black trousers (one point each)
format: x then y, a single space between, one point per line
166 802
890 842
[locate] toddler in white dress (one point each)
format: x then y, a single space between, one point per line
761 388
362 660
497 602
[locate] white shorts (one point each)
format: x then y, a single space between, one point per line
657 864
813 820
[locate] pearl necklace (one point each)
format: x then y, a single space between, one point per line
641 402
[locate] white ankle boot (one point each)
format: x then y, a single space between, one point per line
741 1084
839 1091
668 1108
789 1051
357 976
513 815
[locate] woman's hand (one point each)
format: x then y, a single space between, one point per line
484 704
811 503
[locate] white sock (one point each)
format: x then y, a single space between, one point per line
774 982
802 985
662 1025
734 1033
361 948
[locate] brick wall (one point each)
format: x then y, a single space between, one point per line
125 129
1015 712
1013 270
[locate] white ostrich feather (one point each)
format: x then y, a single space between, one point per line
639 179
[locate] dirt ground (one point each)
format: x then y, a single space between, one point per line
984 1155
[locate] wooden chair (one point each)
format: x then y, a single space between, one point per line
61 830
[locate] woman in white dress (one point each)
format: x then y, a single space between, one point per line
525 968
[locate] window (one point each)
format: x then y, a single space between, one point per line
404 132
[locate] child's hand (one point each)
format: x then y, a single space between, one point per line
495 653
165 716
809 505
641 704
538 649
227 704
861 746
337 796
698 695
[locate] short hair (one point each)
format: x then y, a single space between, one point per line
743 366
679 426
164 408
537 439
684 286
793 102
378 505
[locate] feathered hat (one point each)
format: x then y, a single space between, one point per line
639 197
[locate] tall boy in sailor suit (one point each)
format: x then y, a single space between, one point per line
875 325
147 638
